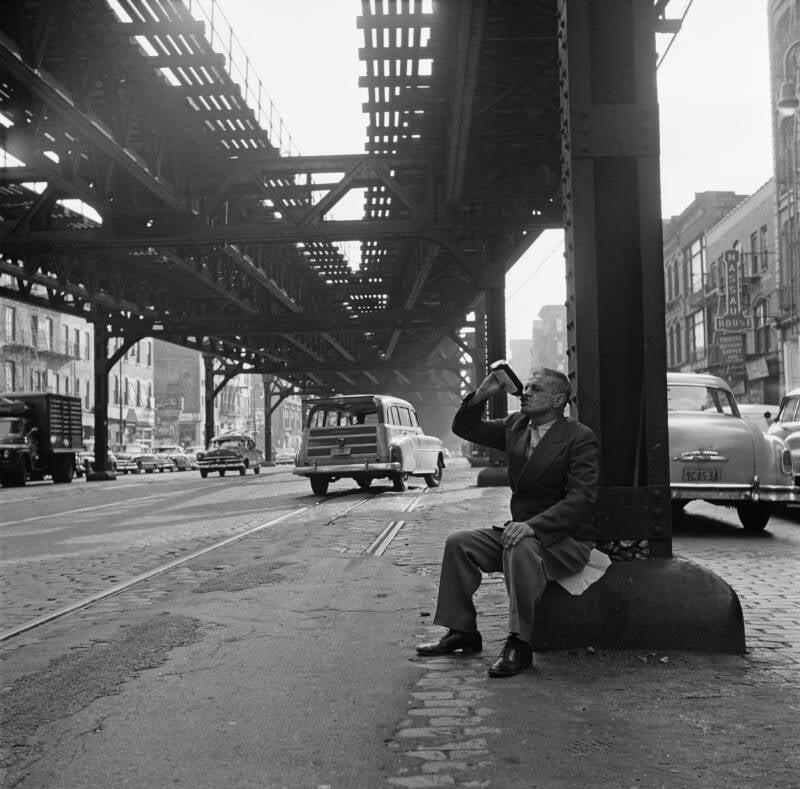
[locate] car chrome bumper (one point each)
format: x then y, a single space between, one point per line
773 493
220 464
347 468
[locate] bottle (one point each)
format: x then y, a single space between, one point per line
507 377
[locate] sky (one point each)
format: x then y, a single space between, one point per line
714 103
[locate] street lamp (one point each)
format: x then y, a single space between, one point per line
788 101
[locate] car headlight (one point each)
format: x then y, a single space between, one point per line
786 463
199 455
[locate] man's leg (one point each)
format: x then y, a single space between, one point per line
467 554
525 577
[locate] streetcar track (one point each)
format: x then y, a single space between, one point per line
378 547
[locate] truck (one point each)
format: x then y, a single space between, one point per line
40 435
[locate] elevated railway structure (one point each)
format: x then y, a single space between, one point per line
488 122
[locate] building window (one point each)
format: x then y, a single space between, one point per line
50 337
763 248
668 282
671 346
87 346
87 396
754 255
66 339
676 279
35 331
138 392
149 351
696 334
76 337
126 392
696 263
10 370
761 327
116 390
11 324
678 344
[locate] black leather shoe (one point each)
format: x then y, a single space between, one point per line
453 641
515 657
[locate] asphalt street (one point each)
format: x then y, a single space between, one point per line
286 658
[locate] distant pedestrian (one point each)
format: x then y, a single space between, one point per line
553 473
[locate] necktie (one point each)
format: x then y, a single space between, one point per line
534 439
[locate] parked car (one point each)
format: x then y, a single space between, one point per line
230 452
718 456
786 425
759 414
284 455
367 437
175 454
191 454
136 458
85 462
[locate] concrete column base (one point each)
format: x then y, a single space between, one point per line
492 476
100 476
644 604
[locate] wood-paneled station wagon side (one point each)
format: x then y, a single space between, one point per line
366 437
717 456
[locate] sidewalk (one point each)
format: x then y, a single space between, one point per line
587 717
287 660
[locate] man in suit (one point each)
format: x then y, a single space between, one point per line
553 472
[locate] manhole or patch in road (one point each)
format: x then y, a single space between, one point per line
244 578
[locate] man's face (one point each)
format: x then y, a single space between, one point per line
538 398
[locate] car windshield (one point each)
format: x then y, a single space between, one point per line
167 450
135 449
10 429
228 442
340 415
697 397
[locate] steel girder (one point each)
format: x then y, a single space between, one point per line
201 221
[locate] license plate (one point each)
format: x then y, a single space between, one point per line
702 474
340 451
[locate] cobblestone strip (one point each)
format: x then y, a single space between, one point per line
444 740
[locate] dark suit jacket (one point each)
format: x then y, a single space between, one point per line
555 489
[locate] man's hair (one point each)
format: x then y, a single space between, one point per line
561 385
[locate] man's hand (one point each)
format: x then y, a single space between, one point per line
514 532
488 387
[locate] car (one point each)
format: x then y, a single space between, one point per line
284 455
718 456
136 458
786 426
365 437
84 462
230 452
191 454
760 414
175 454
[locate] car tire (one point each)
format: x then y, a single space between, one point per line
400 482
138 468
257 469
435 479
363 482
319 485
242 470
754 515
203 473
221 472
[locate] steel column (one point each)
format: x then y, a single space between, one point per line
208 428
614 259
100 361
